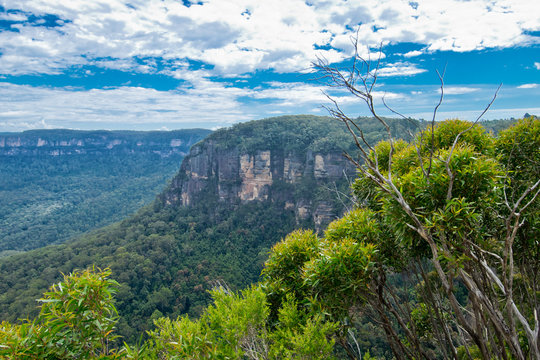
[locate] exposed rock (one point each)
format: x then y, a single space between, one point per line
303 210
72 142
239 177
292 169
323 214
256 176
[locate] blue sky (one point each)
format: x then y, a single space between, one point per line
149 64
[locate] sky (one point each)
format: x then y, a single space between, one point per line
150 65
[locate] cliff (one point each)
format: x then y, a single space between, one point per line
73 142
238 192
281 160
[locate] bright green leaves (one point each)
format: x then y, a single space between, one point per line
456 201
328 274
338 278
518 147
234 324
359 224
473 176
236 327
283 269
382 149
77 320
430 176
21 341
299 336
288 256
79 313
445 132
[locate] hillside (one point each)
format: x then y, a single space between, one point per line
56 184
168 254
237 193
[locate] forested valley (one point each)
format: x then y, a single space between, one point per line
57 184
230 278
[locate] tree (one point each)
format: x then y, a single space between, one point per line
236 326
76 320
461 209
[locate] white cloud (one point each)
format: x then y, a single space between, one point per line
199 103
527 86
458 90
400 69
412 53
537 65
13 17
223 34
118 107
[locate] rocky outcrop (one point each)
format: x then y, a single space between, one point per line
255 176
73 142
233 176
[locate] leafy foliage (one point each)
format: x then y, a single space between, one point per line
453 222
301 133
317 290
77 320
166 258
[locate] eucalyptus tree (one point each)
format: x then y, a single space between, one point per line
458 209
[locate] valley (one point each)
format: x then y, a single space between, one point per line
57 184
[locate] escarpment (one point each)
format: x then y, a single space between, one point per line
62 142
302 178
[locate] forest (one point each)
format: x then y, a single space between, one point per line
167 257
366 287
48 199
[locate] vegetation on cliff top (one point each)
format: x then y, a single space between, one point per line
301 133
166 258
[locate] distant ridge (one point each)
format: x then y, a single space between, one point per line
56 184
65 142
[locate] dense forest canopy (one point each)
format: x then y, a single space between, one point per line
166 258
56 184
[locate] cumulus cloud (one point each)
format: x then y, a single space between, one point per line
227 40
119 107
412 53
400 69
247 35
201 102
15 17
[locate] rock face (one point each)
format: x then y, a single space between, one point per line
234 176
73 142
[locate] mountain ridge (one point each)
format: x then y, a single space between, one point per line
57 142
239 174
167 255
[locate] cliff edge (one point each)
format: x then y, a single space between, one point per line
295 161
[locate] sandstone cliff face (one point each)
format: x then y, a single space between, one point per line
72 142
234 176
